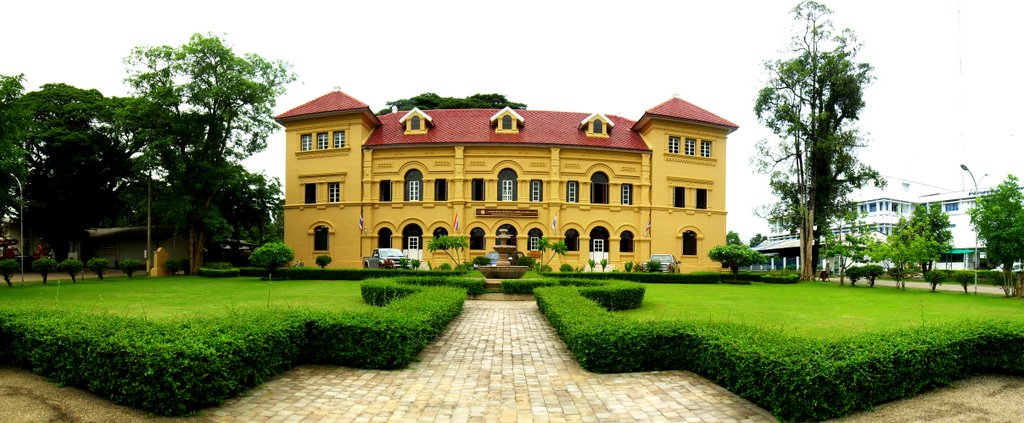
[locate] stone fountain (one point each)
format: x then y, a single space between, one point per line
503 269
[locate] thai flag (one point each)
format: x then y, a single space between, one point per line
360 222
647 230
456 224
554 223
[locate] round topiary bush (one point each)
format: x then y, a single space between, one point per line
129 266
323 261
98 265
272 256
44 266
73 267
565 268
8 267
445 267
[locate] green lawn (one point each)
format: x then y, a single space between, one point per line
820 310
181 296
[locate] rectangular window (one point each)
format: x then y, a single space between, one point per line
307 142
702 198
951 207
571 189
385 190
334 192
507 189
678 197
479 190
339 139
414 191
534 243
440 190
321 141
872 207
705 148
673 145
627 194
310 193
536 190
691 146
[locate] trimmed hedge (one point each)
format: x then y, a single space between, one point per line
793 377
218 273
681 278
177 367
794 278
524 286
472 286
316 273
611 295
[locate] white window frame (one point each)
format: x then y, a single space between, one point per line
321 141
534 244
334 192
306 142
507 189
705 148
951 207
627 193
572 197
691 147
535 190
414 191
413 242
339 139
673 145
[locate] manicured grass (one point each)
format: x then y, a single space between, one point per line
181 296
818 309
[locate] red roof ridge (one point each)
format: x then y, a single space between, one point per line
334 101
676 107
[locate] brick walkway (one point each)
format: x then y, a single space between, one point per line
499 361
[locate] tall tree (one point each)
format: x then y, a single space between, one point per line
433 101
215 111
13 120
77 163
811 102
733 238
999 219
933 223
757 240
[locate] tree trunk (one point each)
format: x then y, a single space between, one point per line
807 247
196 242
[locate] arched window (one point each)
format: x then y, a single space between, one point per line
511 231
440 232
507 185
414 123
626 242
598 126
413 185
384 238
689 243
599 188
412 237
506 122
599 239
321 238
476 239
534 242
572 240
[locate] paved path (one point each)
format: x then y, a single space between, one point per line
498 361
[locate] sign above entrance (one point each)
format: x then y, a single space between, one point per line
505 213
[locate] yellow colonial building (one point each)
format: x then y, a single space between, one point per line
610 187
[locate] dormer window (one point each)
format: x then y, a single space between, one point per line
597 125
416 122
506 121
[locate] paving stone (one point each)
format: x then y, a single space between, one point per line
498 361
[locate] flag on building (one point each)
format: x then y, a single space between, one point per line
554 223
647 230
360 222
456 224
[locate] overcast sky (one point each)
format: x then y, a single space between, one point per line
948 86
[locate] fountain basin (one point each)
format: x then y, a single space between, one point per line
503 271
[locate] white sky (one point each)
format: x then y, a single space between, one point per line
923 116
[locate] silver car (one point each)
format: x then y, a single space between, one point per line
668 262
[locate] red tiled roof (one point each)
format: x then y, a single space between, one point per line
334 101
472 126
682 109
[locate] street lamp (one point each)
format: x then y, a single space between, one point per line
21 220
977 258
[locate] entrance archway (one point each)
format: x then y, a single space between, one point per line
599 244
412 241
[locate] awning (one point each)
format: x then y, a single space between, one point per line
960 251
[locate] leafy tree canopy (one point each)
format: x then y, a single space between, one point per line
427 101
999 219
13 119
733 238
757 240
735 256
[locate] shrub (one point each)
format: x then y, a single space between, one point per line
73 267
657 277
604 264
45 265
544 268
8 267
653 266
98 265
129 266
271 256
935 277
565 268
524 286
173 266
218 273
315 273
795 378
481 261
218 265
445 267
785 277
592 264
855 274
872 271
323 261
628 266
616 296
472 286
964 278
415 264
526 261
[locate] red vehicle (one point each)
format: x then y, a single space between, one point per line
8 251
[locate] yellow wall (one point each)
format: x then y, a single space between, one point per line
359 170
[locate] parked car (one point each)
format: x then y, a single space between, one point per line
668 262
383 258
